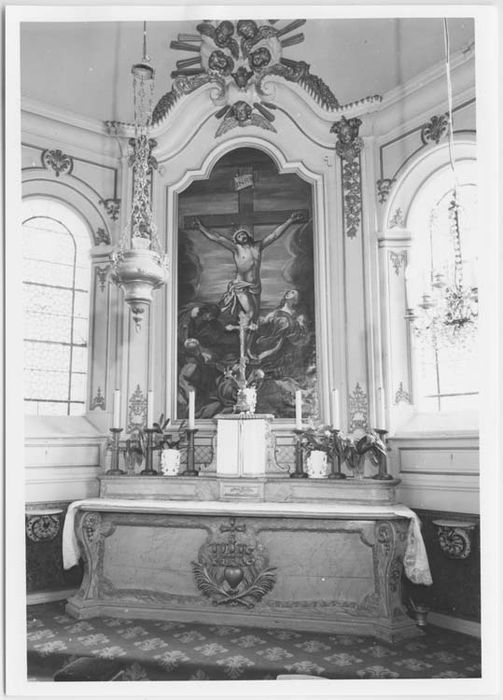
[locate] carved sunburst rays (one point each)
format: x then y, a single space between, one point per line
242 47
236 56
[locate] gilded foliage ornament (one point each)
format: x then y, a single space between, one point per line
358 409
41 528
58 161
435 129
384 186
98 401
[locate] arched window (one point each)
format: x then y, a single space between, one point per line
445 370
56 279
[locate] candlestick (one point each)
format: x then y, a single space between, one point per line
298 410
382 474
114 466
116 422
299 472
192 408
336 458
150 409
191 452
336 419
380 410
149 450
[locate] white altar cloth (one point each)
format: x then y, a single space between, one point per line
416 564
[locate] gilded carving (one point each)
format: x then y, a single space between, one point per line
402 394
233 572
58 161
238 56
397 220
397 260
348 148
349 143
351 183
433 130
358 409
384 186
395 574
40 528
455 541
98 401
102 276
102 236
137 410
112 207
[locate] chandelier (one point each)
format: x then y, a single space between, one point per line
447 316
138 263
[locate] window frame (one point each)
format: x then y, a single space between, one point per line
395 243
43 206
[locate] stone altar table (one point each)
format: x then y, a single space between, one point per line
321 567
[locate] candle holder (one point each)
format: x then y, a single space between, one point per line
149 453
336 457
382 474
191 453
299 472
115 448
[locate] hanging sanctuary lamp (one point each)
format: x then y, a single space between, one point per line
138 263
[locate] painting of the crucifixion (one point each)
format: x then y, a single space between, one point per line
246 288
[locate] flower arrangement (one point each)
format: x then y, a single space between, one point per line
321 438
356 450
136 447
352 451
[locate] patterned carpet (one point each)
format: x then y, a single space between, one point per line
152 650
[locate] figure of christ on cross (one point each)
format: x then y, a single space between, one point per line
242 298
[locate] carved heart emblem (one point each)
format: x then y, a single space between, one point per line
233 575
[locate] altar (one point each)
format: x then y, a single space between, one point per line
333 567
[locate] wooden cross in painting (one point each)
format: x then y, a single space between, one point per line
246 215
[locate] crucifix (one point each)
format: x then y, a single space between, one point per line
246 216
241 300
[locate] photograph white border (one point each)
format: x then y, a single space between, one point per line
487 84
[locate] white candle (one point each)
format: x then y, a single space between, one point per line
150 409
336 418
192 408
380 410
117 409
298 410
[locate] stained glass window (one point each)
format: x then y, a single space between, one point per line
56 278
446 378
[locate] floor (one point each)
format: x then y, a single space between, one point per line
154 650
